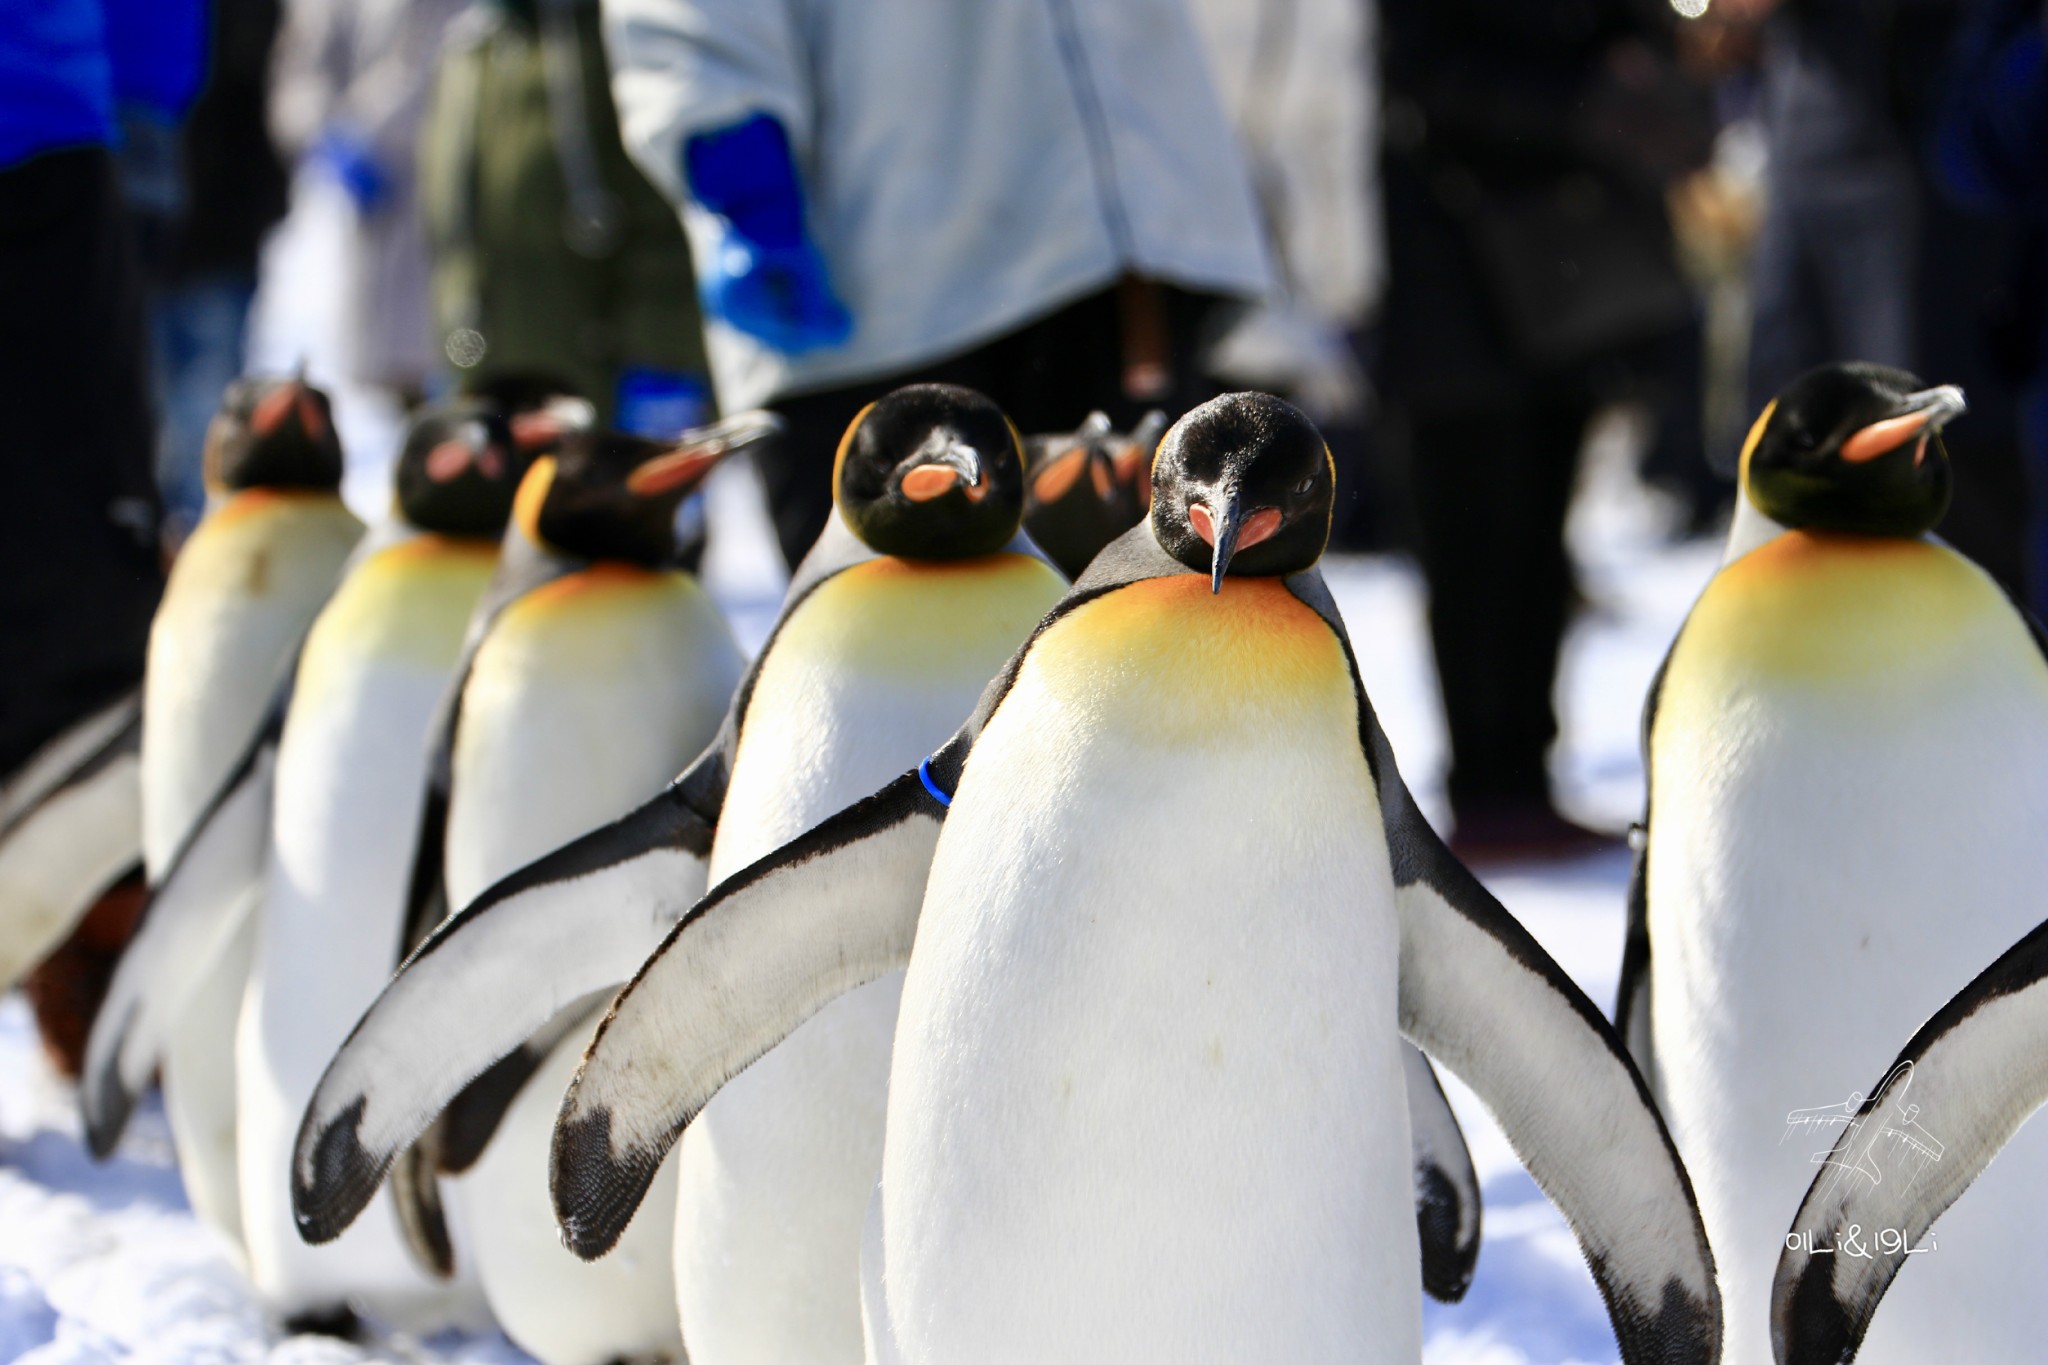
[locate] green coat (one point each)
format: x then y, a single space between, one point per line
549 296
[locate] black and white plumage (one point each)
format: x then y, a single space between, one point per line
1167 909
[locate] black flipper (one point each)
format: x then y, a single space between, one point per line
1981 1064
831 910
1446 1185
207 892
1632 995
1481 996
480 984
70 829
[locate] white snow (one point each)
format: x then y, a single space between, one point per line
106 1264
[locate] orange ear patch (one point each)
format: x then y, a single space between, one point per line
1051 483
665 473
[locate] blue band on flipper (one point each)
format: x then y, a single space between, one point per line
924 775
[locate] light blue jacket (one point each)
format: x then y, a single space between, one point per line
968 166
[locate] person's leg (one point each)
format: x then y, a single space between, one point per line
80 571
1491 487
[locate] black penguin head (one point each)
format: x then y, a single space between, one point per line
1852 448
607 495
1086 487
932 471
1243 485
458 468
273 433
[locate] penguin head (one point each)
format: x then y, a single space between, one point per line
1086 487
272 433
1243 485
459 466
607 495
932 471
1853 448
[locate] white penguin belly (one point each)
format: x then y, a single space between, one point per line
558 1308
1845 831
1147 1101
247 584
350 779
588 696
866 679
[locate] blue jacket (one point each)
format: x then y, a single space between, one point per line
65 64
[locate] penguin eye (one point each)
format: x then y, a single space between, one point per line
1301 489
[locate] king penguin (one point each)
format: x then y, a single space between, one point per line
912 598
1085 488
1847 753
239 600
1173 910
599 670
349 773
918 588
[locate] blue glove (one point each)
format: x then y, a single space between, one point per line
767 278
349 159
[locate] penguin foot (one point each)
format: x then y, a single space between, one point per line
340 1321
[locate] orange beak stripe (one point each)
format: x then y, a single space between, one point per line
929 481
446 461
1881 438
1059 475
666 472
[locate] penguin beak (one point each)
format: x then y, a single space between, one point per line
698 452
1230 532
536 431
290 397
938 466
1920 414
447 461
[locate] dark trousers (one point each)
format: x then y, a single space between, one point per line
1491 488
1046 375
80 569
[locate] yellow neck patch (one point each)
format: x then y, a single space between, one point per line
1814 607
1177 662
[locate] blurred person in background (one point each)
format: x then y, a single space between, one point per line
80 571
1299 82
203 278
1531 277
556 266
348 89
1862 256
1991 149
1040 199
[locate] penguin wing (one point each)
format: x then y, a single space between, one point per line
1481 996
1446 1185
480 982
211 886
484 981
1632 995
1958 1092
72 828
771 946
522 567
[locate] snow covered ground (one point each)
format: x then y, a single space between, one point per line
103 1264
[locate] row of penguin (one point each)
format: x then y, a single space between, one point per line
1025 971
